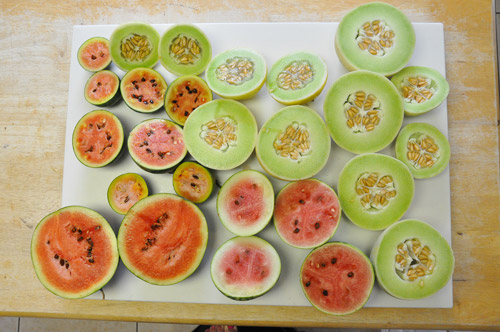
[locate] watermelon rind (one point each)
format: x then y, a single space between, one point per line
92 288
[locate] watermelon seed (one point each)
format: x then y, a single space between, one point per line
196 176
148 150
350 274
334 260
145 102
48 242
302 201
99 83
169 131
93 57
237 202
73 229
308 284
90 149
143 79
193 185
237 260
151 101
325 292
67 266
323 264
186 113
61 262
316 225
154 85
152 81
149 133
91 260
56 256
195 90
108 136
80 238
296 222
174 101
139 98
136 87
79 231
134 82
94 90
296 230
127 199
134 96
161 154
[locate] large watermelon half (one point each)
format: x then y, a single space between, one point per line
74 252
162 239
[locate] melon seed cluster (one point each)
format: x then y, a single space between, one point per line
220 133
296 76
422 151
417 89
362 112
235 71
413 261
135 47
185 50
375 192
294 142
375 37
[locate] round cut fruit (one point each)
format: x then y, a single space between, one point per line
126 190
297 78
94 55
237 74
184 95
293 144
156 145
74 252
98 138
363 112
245 203
143 90
377 37
412 260
162 239
244 268
337 278
193 182
424 149
185 50
307 213
134 45
102 87
221 134
422 89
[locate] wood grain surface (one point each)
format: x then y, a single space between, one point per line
35 42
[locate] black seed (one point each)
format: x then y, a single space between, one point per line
134 96
145 102
193 184
195 91
186 113
79 231
67 265
187 88
169 131
133 82
316 225
127 199
302 201
161 154
308 284
296 230
48 242
143 79
148 150
296 222
237 202
350 274
56 256
334 260
152 81
151 101
99 83
93 57
80 238
196 176
154 85
323 264
180 94
91 260
136 87
94 90
139 98
61 262
193 108
174 101
325 292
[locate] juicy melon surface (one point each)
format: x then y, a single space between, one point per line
102 86
245 265
250 206
95 55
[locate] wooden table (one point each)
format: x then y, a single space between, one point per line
35 45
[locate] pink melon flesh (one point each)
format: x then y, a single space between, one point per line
95 55
244 203
245 265
102 85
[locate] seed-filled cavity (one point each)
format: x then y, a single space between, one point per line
235 71
417 89
185 50
135 48
375 37
294 142
220 133
423 152
375 191
296 75
414 261
362 111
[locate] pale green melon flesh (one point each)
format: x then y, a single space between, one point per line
283 167
438 83
353 58
374 219
391 106
248 88
384 252
429 131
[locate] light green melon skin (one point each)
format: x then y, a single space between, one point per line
138 28
384 252
249 293
113 242
306 94
246 90
246 133
441 85
185 69
439 139
284 168
383 165
353 58
391 105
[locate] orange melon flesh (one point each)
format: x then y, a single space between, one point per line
101 86
94 54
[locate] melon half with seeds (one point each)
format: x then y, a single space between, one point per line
143 90
94 54
102 88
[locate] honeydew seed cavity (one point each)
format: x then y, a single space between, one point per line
294 142
423 152
235 71
375 37
362 112
417 89
134 47
414 261
297 75
185 50
375 191
220 133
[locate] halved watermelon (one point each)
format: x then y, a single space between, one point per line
102 87
94 55
337 278
162 239
307 213
74 252
143 90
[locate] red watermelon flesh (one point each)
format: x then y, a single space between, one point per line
337 278
244 202
102 86
306 213
245 265
94 54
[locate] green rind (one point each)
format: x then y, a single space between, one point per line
439 139
284 168
353 58
110 100
246 134
125 259
246 90
306 94
134 71
391 106
249 296
268 199
385 250
358 251
440 84
80 49
193 32
105 227
118 152
201 169
123 31
350 201
139 179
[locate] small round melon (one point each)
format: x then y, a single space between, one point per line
412 260
297 78
363 111
193 182
424 149
375 190
377 37
94 55
143 90
293 144
102 88
126 190
237 74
